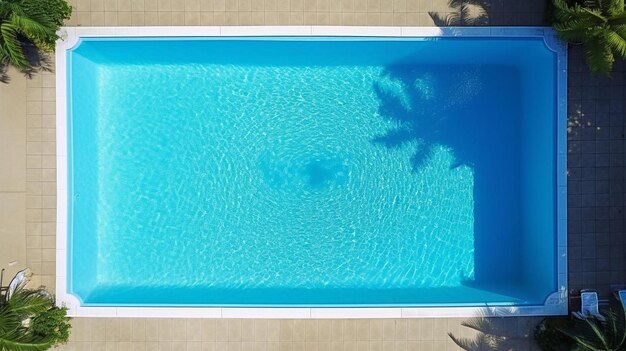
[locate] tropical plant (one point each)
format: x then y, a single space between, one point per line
599 25
29 321
585 332
550 338
28 32
599 334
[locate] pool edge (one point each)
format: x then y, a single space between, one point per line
555 304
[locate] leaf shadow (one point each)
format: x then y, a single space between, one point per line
463 13
495 334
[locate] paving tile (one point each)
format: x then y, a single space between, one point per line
13 231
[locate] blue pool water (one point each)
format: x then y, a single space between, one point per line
312 171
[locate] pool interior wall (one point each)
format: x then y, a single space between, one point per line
312 172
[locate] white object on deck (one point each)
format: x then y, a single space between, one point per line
21 278
589 306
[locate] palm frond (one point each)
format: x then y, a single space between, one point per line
577 30
565 12
30 28
616 320
614 7
596 13
13 45
572 34
27 303
22 340
14 335
592 3
602 5
608 8
622 324
27 32
584 21
620 30
598 56
616 42
9 321
5 56
618 19
596 326
587 334
12 7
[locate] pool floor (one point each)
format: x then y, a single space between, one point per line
214 179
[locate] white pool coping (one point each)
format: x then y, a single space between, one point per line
555 304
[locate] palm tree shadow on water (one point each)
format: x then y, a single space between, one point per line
463 13
460 110
407 95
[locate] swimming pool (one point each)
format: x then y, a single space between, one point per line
312 170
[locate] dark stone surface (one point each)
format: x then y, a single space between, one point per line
596 167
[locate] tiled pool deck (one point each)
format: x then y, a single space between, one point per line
596 181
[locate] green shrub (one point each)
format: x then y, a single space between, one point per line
550 338
28 33
30 321
599 25
588 333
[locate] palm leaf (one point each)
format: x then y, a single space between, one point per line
616 20
565 12
5 56
607 7
602 5
11 7
596 326
580 22
612 323
587 334
21 340
597 13
616 42
598 56
8 321
592 3
27 303
615 7
13 46
14 336
27 31
622 325
570 34
617 320
591 333
577 30
30 28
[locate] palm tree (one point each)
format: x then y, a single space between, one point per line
28 32
29 321
600 25
592 334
